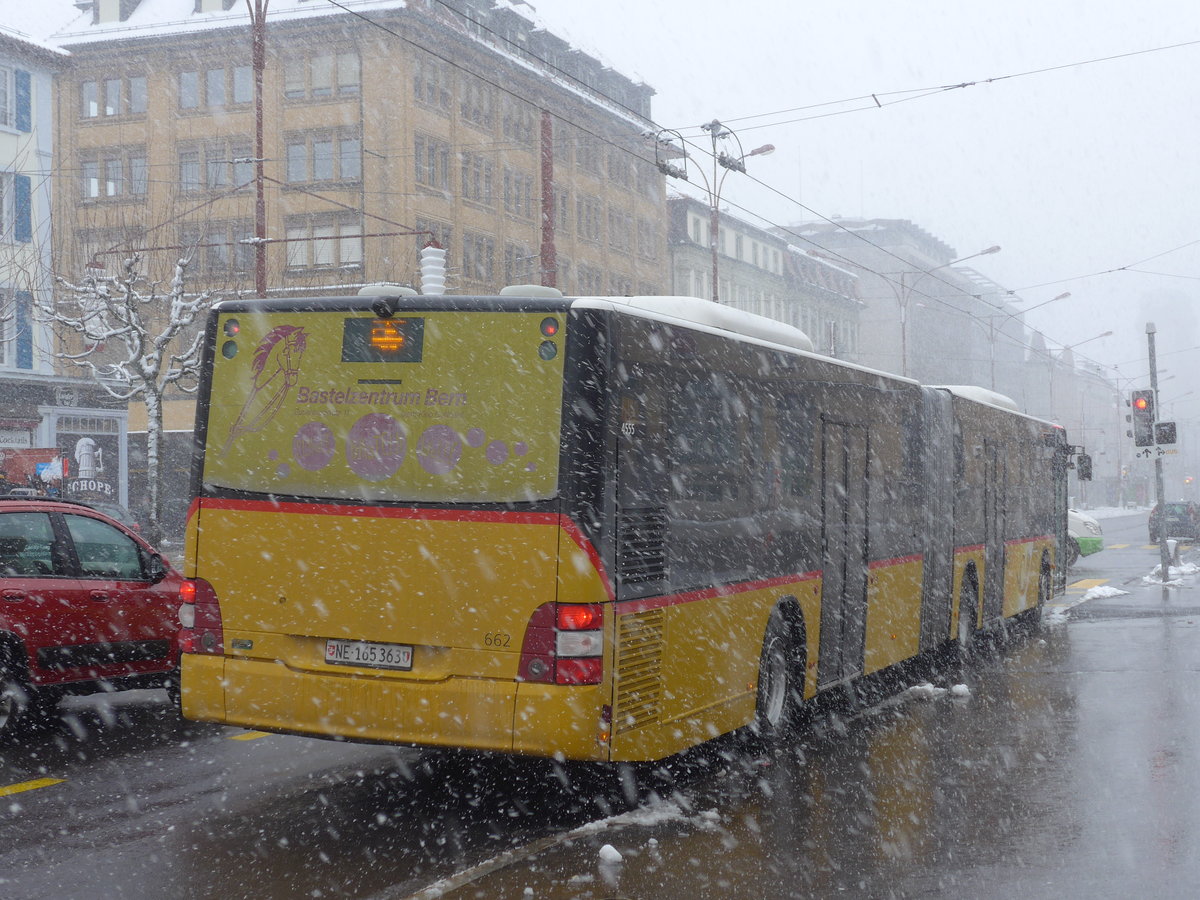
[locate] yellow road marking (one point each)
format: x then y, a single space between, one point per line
250 735
1086 584
1118 546
29 785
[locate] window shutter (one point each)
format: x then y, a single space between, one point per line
24 323
24 101
22 209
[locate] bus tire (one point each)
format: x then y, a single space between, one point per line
781 669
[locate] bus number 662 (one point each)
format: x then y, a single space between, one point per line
496 639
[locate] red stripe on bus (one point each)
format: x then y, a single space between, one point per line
428 515
899 560
724 590
974 548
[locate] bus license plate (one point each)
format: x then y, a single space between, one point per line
368 653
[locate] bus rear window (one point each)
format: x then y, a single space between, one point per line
314 404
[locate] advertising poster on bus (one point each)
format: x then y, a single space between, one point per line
436 406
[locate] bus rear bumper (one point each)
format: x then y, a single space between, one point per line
477 714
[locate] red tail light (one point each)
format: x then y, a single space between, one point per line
200 618
564 644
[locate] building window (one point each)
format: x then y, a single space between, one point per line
587 218
564 144
517 124
620 285
518 194
562 221
432 83
587 154
216 166
243 84
7 208
589 280
220 247
520 265
476 104
189 90
477 178
620 230
322 76
478 257
118 173
620 169
324 156
432 162
323 242
6 96
113 97
647 239
213 88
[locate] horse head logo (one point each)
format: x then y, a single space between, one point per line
275 370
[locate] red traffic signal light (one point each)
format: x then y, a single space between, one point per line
1142 403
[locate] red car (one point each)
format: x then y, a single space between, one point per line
85 605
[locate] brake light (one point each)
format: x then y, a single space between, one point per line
200 618
564 644
579 616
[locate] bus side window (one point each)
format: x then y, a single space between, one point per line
796 433
707 439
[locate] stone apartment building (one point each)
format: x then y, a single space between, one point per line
386 124
758 271
924 316
382 129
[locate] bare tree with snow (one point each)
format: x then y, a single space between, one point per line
138 342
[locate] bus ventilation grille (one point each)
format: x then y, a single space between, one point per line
642 545
639 687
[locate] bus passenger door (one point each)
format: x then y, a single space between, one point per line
994 514
844 579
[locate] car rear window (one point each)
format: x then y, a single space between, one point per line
26 544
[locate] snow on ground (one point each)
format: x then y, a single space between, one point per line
1175 574
1102 591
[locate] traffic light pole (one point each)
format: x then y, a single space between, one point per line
1164 556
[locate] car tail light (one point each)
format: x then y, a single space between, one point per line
200 618
564 644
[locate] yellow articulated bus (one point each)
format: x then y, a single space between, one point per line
599 529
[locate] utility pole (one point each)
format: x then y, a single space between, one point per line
1164 556
548 252
258 40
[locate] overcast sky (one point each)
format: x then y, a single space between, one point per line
1079 170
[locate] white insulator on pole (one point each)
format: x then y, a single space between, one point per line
433 270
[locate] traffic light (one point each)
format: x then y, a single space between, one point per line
1142 403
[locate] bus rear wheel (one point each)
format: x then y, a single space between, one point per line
780 679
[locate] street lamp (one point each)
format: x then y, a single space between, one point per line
722 164
904 295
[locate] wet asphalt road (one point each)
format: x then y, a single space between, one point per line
1069 770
